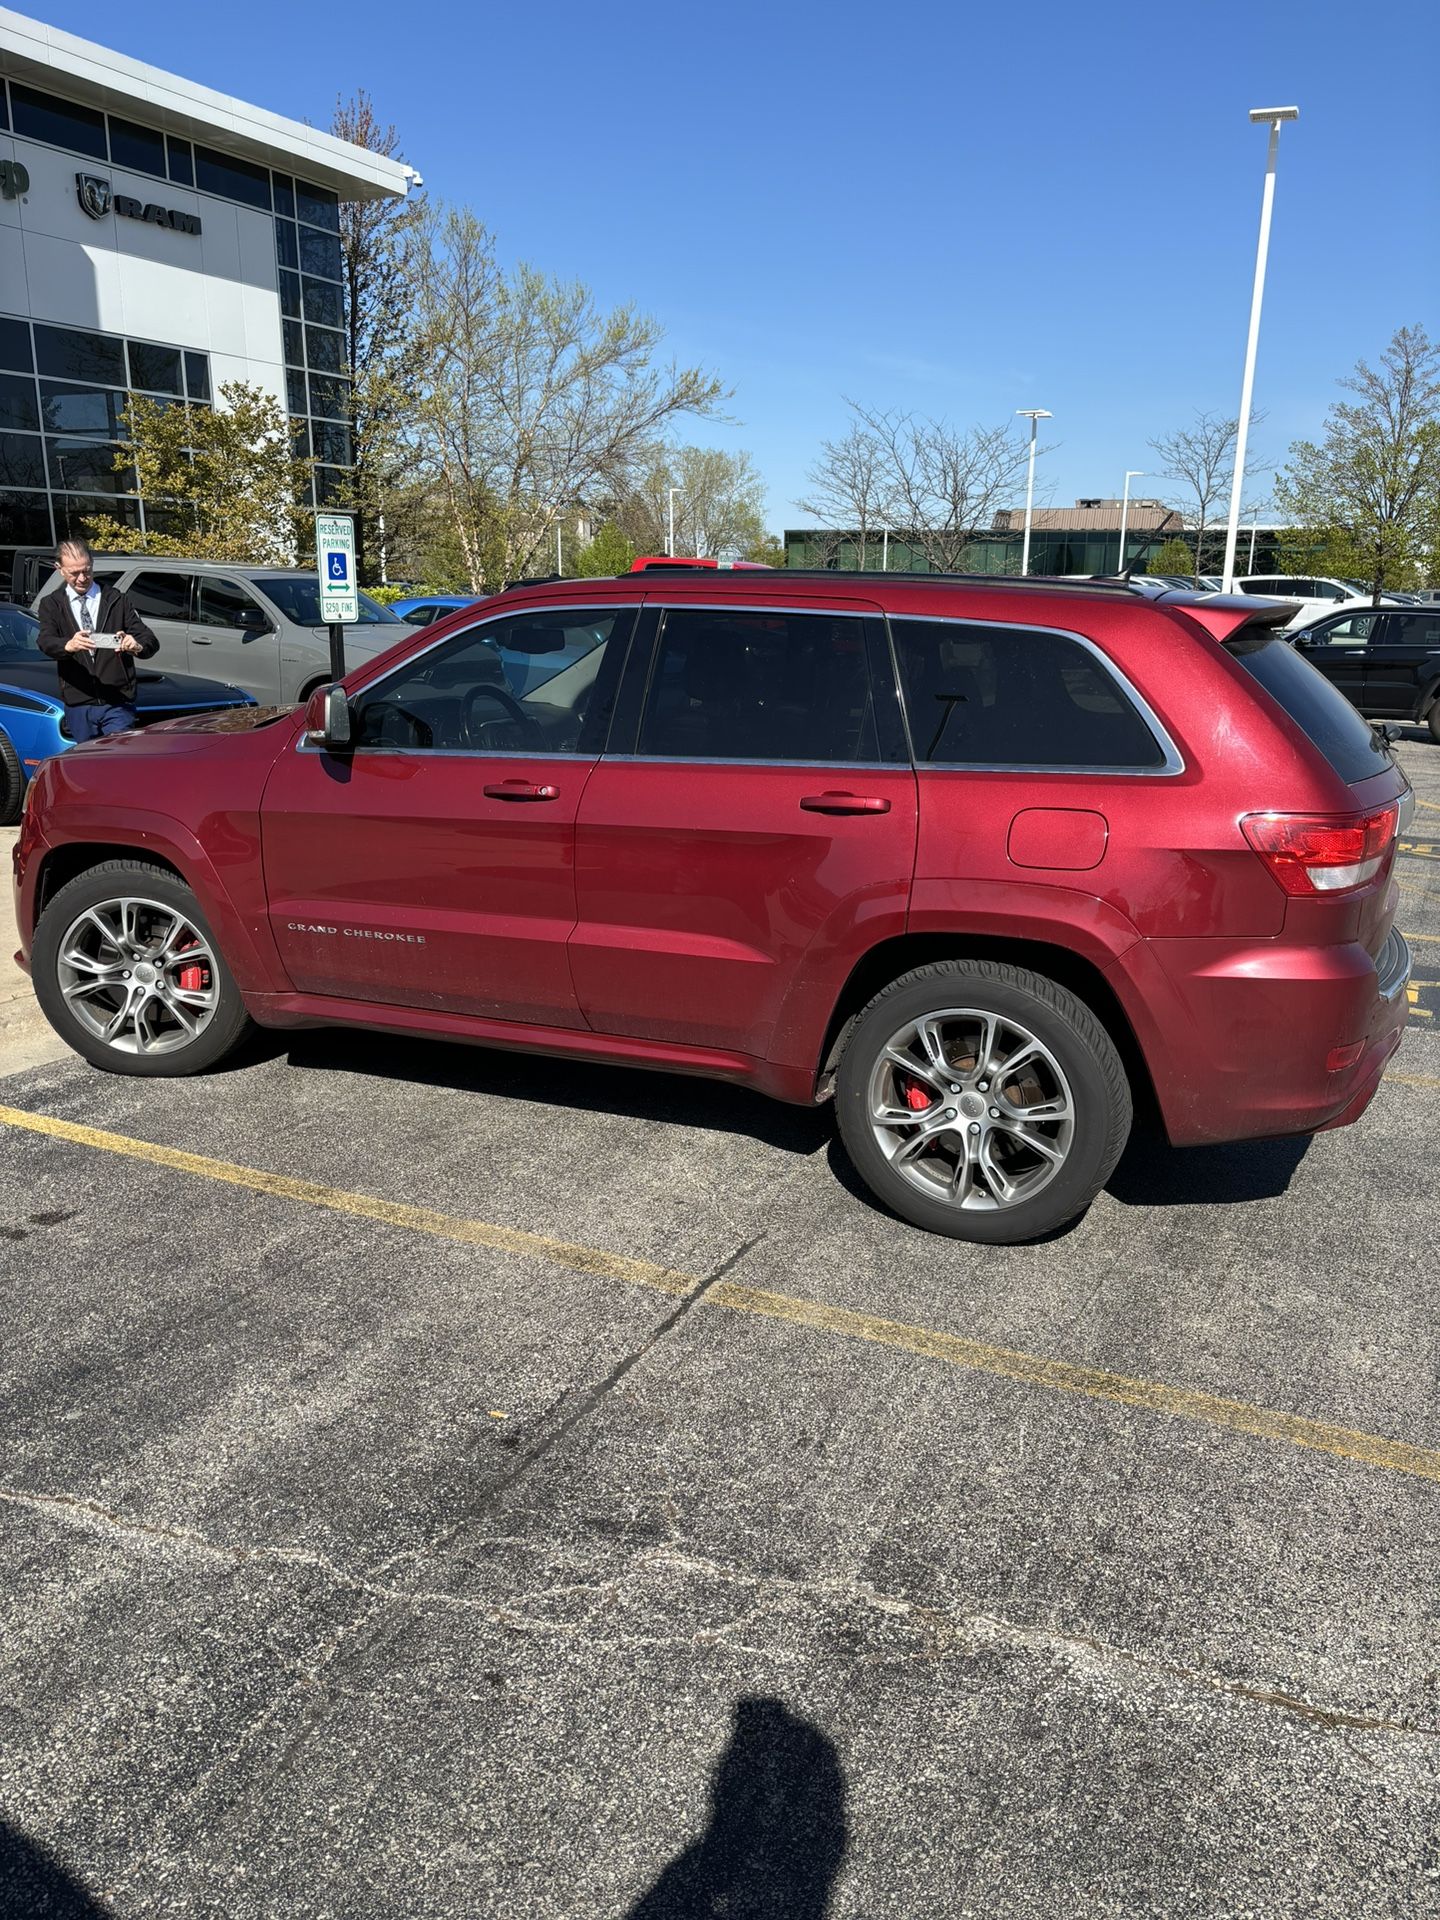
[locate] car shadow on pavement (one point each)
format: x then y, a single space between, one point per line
1152 1173
777 1832
577 1085
33 1884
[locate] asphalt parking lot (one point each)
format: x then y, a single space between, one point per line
449 1484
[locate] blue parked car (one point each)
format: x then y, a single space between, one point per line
524 672
431 606
32 714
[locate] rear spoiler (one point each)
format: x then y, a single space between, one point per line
1225 614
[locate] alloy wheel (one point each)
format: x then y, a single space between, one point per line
138 976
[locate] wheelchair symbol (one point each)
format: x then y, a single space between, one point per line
335 567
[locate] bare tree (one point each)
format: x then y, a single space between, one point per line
532 398
1200 461
377 246
851 489
943 486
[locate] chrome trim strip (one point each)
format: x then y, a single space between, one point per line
1394 966
305 745
1173 762
712 760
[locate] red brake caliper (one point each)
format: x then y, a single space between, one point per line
916 1098
194 979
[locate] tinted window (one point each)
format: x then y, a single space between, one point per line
197 376
138 148
1015 697
161 596
326 349
329 395
319 253
18 410
759 686
1353 631
1410 630
156 369
70 409
290 295
89 464
182 161
458 697
15 346
232 179
322 303
1320 710
318 205
287 247
70 355
59 122
221 603
284 194
17 634
24 519
298 598
21 461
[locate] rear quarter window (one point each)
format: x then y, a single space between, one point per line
1320 710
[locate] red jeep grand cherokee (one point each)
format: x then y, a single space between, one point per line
986 860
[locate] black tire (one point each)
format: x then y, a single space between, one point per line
225 1019
1075 1068
1432 720
12 783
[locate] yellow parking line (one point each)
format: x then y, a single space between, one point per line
1428 938
975 1356
1412 1080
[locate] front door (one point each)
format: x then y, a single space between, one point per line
433 866
1340 649
233 638
755 834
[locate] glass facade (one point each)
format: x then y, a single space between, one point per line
62 393
57 382
1053 550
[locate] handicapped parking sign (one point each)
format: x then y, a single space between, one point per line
335 562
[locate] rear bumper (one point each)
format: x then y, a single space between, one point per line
1240 1036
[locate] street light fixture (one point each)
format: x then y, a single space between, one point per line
1034 415
670 549
1274 116
1131 473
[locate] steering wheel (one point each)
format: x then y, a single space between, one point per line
470 724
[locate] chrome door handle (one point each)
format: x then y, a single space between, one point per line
844 803
520 790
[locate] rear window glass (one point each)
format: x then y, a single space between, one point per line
1015 697
1319 709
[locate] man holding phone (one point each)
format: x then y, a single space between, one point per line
93 634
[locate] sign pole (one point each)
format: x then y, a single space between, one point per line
339 589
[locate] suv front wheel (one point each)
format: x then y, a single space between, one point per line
982 1101
129 975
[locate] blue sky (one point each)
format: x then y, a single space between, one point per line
949 209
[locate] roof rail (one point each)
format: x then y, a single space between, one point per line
1114 583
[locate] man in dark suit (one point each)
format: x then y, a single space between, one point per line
93 634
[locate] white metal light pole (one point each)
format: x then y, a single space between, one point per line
885 551
559 562
1034 415
1242 429
671 548
1131 473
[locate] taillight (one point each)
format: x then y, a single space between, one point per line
1311 853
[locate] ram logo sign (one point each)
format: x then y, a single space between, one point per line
14 180
98 200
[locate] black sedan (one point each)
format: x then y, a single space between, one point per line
1385 660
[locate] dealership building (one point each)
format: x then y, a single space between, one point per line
159 237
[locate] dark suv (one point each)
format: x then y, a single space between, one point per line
985 860
1385 660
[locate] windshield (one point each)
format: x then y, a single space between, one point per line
17 635
297 595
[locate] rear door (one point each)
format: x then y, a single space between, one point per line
1402 662
234 638
750 833
163 600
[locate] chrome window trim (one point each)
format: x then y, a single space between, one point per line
304 744
712 760
1172 762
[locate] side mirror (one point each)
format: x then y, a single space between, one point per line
327 720
253 620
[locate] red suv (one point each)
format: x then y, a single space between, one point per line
987 861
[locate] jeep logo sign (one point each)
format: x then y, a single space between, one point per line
98 200
14 180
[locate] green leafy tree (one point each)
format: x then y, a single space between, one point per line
532 398
719 502
1174 557
1376 472
608 553
219 483
767 551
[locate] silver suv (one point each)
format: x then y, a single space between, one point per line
257 627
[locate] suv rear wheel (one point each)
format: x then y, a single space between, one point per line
982 1101
129 975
